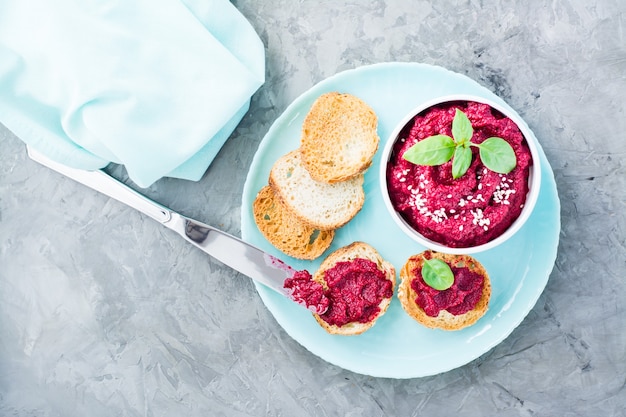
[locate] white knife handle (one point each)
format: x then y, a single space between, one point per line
106 184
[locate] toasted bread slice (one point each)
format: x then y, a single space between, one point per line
444 319
350 253
285 231
321 205
339 137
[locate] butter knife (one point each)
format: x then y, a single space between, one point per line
229 250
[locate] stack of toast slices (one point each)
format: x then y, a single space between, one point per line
316 189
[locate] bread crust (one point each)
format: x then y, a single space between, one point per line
349 253
285 231
444 320
339 137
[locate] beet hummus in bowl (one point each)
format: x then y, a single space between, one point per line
471 184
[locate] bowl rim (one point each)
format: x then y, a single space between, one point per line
534 176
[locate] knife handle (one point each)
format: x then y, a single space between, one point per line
228 249
106 184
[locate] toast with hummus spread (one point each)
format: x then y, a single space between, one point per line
455 308
359 284
321 205
339 137
285 231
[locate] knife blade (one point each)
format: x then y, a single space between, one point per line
226 248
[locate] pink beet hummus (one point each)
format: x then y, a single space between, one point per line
473 209
355 290
460 298
303 290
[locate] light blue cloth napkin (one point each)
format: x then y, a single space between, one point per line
155 85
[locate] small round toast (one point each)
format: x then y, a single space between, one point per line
321 205
339 137
285 231
350 253
445 320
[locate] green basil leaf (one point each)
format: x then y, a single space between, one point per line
437 274
462 130
461 161
434 150
497 155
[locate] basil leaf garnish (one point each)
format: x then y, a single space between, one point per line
437 274
462 130
461 161
497 155
434 150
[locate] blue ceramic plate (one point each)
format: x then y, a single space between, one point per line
397 346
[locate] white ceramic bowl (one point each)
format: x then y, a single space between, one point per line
534 179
